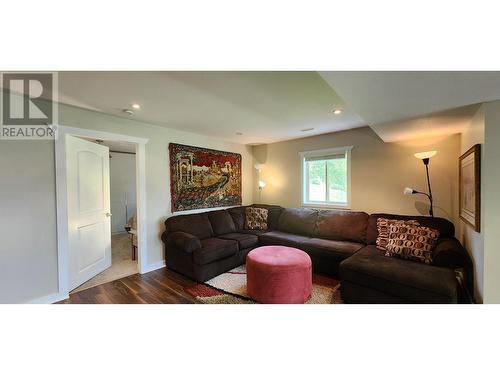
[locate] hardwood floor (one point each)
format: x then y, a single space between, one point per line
160 286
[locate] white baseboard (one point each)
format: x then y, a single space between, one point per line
153 267
51 298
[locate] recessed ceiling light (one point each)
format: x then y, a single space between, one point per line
338 111
128 112
306 130
136 106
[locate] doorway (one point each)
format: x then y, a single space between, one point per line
91 185
123 210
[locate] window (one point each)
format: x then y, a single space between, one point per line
325 177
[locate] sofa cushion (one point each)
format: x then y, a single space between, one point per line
196 224
298 221
221 221
342 225
445 227
411 242
273 214
238 216
383 225
413 281
213 249
318 247
282 238
256 218
244 240
255 232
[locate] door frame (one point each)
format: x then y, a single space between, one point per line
62 199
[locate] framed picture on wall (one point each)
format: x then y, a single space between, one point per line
470 187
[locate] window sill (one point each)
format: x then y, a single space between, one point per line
326 205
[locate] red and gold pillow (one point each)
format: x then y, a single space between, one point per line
383 230
412 242
256 218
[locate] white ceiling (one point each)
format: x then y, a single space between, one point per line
442 123
264 106
384 98
268 107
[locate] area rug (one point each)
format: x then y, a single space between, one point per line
231 288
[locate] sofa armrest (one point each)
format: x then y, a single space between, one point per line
182 240
450 253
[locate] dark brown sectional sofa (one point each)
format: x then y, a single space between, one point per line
340 243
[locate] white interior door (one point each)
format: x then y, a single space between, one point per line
89 218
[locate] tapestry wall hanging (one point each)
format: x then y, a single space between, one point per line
203 178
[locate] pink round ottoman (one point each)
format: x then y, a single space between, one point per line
279 274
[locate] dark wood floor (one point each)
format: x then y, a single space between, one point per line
160 286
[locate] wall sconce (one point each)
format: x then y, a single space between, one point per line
262 185
259 167
424 156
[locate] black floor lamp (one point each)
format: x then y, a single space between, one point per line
424 156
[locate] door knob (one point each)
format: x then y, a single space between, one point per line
108 214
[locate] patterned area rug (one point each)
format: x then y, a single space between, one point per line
231 288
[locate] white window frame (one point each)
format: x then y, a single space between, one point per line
304 186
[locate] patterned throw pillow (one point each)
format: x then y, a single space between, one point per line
412 242
383 230
256 218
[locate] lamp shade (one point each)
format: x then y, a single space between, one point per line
425 155
262 184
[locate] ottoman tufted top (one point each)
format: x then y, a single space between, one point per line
279 257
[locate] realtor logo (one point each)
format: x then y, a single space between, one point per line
28 106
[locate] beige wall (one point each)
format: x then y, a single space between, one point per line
27 193
28 243
491 198
472 240
380 171
483 246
